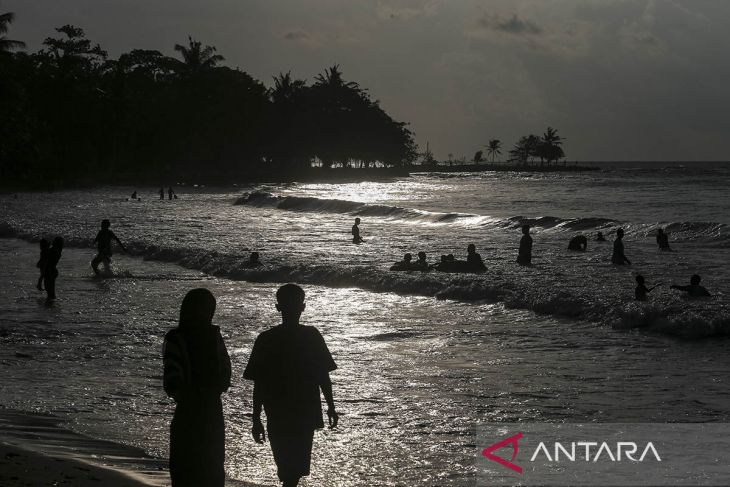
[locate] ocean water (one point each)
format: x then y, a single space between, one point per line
422 357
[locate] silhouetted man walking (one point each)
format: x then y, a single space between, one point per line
289 364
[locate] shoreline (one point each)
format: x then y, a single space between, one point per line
36 449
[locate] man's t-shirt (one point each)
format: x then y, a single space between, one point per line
104 241
288 363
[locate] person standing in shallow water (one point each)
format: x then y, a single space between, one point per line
289 364
197 370
356 239
50 271
662 240
41 265
103 242
619 257
162 193
524 255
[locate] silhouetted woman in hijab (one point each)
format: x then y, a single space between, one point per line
197 371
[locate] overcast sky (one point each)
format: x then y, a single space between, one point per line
620 79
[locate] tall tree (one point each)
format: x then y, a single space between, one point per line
550 147
494 148
7 45
196 58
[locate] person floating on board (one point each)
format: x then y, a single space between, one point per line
619 257
579 242
290 364
524 255
662 240
103 241
694 290
197 370
50 272
356 239
405 265
641 290
254 260
422 263
600 237
162 193
42 261
474 261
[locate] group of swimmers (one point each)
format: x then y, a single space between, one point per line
170 194
475 264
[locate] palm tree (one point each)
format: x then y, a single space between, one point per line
7 45
196 57
494 148
285 88
550 146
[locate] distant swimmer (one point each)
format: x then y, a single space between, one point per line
600 237
694 290
50 272
618 257
356 239
641 289
524 256
422 263
579 242
474 260
162 193
42 261
103 242
134 196
254 260
405 265
170 192
662 240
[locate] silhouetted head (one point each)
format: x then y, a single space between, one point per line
695 280
45 244
407 258
197 309
444 258
526 229
105 224
471 248
660 231
357 221
58 243
422 256
450 258
640 279
290 302
254 257
620 233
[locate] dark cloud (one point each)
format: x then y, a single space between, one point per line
296 35
511 25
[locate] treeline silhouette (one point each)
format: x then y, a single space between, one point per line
70 113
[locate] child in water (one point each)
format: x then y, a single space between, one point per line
694 290
641 289
45 246
197 370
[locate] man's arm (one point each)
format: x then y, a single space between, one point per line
326 386
259 436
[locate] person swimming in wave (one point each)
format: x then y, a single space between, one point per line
641 291
42 261
600 237
135 197
474 260
694 290
524 255
356 239
405 265
619 257
579 242
662 240
103 241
